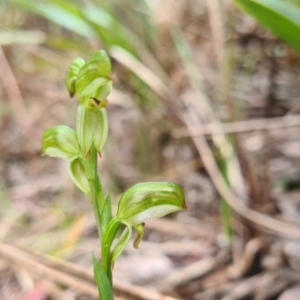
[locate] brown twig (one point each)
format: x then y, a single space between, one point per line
73 275
32 265
239 126
14 94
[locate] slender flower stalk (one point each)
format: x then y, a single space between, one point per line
91 82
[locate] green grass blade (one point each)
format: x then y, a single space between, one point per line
281 17
62 16
109 29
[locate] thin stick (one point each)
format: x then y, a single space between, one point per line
73 275
14 94
238 127
16 255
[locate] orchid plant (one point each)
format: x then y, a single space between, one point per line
91 82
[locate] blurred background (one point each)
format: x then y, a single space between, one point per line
204 96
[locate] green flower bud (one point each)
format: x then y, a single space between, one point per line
149 200
78 175
92 127
74 69
94 78
60 141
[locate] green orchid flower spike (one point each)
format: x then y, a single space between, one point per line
91 82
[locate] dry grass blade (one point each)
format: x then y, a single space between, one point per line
14 93
216 30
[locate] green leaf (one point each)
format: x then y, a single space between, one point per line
62 16
92 127
281 17
93 77
74 69
149 200
60 141
78 175
121 244
109 28
103 284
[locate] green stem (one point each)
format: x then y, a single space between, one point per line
107 241
97 197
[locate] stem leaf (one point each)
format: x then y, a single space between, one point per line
103 284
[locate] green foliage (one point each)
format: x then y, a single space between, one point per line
281 17
104 286
91 82
66 16
88 20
